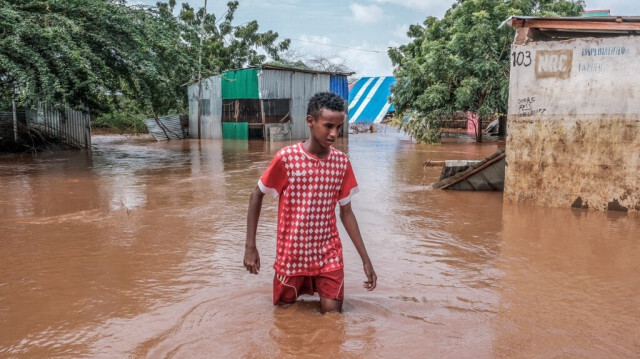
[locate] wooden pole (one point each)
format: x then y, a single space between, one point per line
204 15
264 126
198 110
15 121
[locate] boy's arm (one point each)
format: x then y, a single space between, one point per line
351 225
251 257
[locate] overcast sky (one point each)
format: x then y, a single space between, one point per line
338 28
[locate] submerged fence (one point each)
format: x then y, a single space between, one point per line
9 123
71 127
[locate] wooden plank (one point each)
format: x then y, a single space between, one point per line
577 25
567 34
236 111
475 170
430 163
523 34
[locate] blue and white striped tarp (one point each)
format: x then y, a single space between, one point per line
368 99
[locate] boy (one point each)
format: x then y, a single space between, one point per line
310 177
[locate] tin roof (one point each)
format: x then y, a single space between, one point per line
293 69
309 71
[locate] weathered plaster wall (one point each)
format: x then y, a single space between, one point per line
574 124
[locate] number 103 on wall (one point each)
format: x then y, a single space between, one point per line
521 58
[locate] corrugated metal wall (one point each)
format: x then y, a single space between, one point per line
338 84
211 124
165 128
69 126
297 86
240 84
271 84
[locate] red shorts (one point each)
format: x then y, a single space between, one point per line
328 285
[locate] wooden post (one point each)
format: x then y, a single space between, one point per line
264 129
502 126
236 111
15 121
199 110
200 67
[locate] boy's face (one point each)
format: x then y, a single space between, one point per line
326 127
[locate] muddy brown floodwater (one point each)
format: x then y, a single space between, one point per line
135 250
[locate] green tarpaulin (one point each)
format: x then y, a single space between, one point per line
240 84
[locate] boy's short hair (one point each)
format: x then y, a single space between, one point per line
324 100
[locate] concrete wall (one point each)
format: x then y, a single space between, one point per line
574 124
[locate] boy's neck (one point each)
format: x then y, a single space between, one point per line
314 148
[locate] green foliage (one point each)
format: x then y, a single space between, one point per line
123 121
123 116
427 131
67 52
461 62
109 56
225 46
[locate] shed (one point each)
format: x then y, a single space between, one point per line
573 113
259 102
369 99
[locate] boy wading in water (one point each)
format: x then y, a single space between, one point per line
310 178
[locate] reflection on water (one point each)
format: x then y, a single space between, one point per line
135 250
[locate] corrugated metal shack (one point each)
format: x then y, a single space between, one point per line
259 102
574 114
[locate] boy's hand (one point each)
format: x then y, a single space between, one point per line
251 260
370 283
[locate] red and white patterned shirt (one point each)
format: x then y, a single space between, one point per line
309 187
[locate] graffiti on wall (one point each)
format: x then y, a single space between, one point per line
553 63
526 107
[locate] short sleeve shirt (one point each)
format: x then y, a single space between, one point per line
309 187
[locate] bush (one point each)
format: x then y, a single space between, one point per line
122 121
424 129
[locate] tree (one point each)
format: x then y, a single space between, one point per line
324 63
71 52
225 45
461 62
111 57
176 43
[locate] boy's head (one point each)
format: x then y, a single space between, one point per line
324 100
325 117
